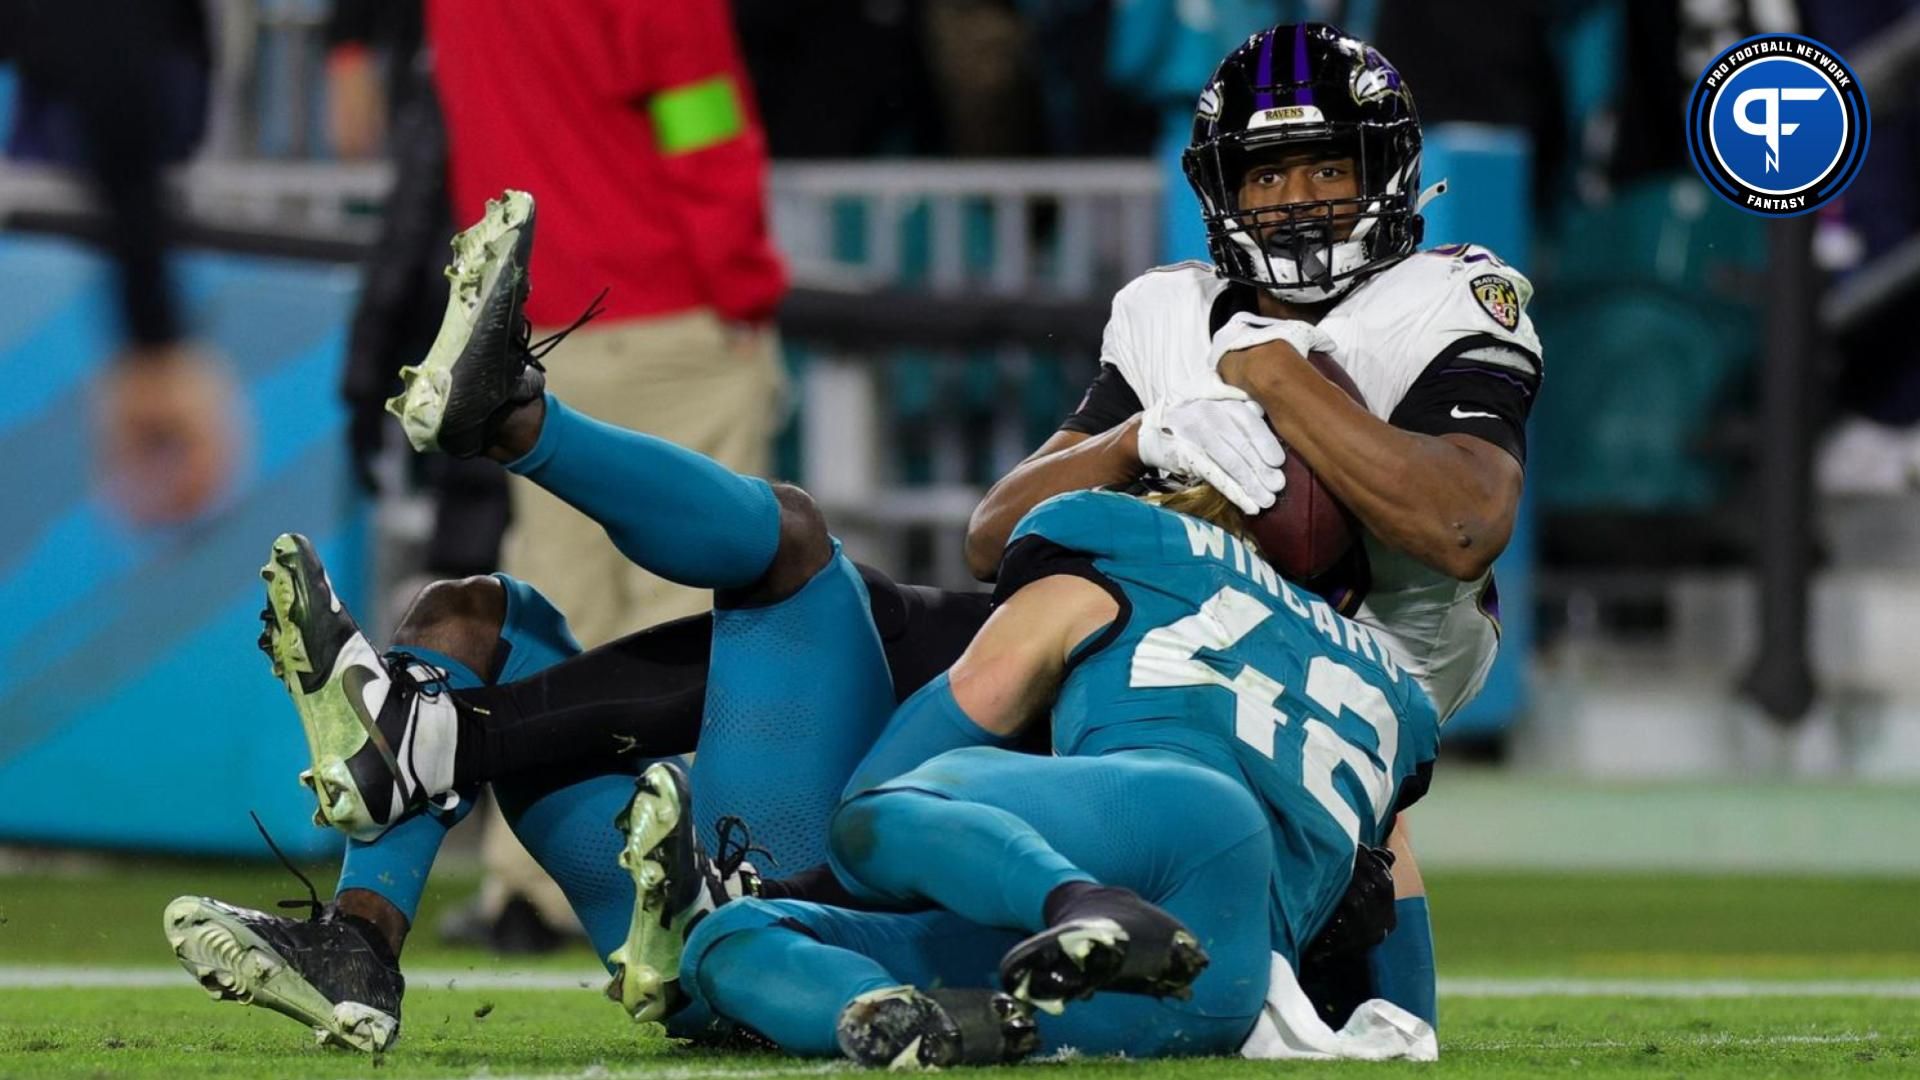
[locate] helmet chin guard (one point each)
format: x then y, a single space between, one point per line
1297 87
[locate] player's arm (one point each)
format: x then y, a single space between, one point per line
1096 446
1073 459
1210 432
1448 500
1011 672
1009 675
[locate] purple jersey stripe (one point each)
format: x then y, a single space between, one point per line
1304 95
1263 99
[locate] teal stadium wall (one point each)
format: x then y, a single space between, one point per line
135 710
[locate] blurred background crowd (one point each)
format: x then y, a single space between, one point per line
868 245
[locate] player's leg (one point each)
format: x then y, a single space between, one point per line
337 972
817 979
798 688
481 389
642 695
804 678
1017 841
885 989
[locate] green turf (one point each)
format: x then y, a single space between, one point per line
170 1033
1487 925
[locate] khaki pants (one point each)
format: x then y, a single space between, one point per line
690 380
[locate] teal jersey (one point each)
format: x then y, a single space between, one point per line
1214 656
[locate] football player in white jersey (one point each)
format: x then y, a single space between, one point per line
1306 158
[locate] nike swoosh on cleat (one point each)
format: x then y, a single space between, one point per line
1457 414
357 679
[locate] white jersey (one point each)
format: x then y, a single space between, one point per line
1458 301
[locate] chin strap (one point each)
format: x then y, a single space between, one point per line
1429 195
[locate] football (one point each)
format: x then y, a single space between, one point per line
1307 531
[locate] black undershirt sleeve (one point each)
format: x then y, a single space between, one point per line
1108 402
1480 385
1033 557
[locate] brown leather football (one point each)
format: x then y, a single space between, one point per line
1306 530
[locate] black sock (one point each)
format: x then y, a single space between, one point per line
636 697
816 885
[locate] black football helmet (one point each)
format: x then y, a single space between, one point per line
1295 86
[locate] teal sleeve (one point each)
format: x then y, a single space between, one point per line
1402 966
926 725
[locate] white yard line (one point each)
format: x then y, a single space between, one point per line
21 977
1844 1039
1675 988
16 978
682 1072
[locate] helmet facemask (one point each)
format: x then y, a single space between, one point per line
1312 251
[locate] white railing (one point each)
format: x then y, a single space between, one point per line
967 230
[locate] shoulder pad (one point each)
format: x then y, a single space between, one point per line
1085 521
1164 281
1469 290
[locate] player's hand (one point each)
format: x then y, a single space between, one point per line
165 432
1365 915
1247 330
1217 435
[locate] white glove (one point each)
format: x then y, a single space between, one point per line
1217 435
1246 330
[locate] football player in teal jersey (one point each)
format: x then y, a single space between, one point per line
1225 744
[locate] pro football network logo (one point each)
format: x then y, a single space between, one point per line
1778 125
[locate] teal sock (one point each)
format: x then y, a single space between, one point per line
568 829
1402 966
926 725
978 861
787 986
676 513
397 864
564 817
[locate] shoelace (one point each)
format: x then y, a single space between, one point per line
729 852
535 350
400 665
312 902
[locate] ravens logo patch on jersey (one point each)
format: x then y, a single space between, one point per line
1498 298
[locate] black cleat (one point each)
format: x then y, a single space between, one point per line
482 363
1106 939
904 1028
326 972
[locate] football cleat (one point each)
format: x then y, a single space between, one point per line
904 1028
482 363
380 733
1108 940
326 972
675 885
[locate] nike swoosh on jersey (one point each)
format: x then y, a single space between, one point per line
1457 414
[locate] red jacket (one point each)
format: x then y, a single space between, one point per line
632 123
